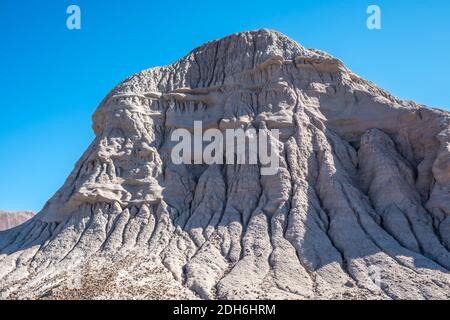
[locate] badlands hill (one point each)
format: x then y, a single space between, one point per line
9 220
359 208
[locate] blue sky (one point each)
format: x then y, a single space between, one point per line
52 79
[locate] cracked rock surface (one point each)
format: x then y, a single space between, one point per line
359 208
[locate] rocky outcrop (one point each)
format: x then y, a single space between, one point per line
9 220
359 207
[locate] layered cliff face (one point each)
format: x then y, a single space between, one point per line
9 220
359 207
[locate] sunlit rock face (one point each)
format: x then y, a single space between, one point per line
358 209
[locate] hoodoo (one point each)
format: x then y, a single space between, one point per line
358 208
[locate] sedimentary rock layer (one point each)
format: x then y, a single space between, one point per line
9 220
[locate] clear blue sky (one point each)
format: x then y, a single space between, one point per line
52 79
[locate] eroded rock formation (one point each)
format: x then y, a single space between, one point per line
359 208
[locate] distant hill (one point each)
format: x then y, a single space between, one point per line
9 220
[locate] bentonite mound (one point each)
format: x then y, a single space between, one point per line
360 207
9 220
